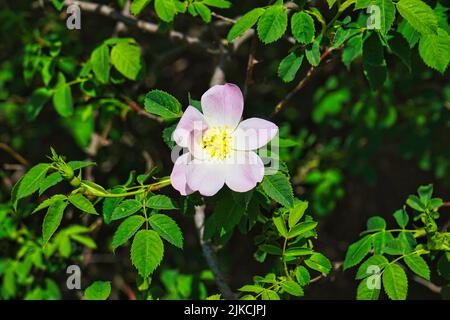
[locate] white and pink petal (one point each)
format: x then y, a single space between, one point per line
253 133
223 105
246 170
178 175
205 177
191 121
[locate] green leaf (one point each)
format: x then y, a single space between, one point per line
379 241
387 14
399 46
357 251
167 135
409 33
203 11
62 97
161 202
312 53
126 230
271 249
65 247
167 228
401 217
395 282
58 4
31 181
296 213
301 228
86 241
147 252
364 293
362 4
251 288
125 209
434 50
292 288
163 104
138 5
407 241
302 27
319 262
435 203
331 3
418 265
269 295
49 181
180 7
289 66
53 219
376 223
165 9
373 61
414 202
227 214
244 23
394 247
81 125
36 102
75 165
302 275
419 15
278 187
80 202
280 225
49 201
376 260
425 193
100 63
296 251
109 204
352 50
48 70
272 24
222 4
343 35
126 58
99 290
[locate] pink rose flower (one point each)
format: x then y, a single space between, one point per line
221 148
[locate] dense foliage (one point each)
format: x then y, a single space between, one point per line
91 93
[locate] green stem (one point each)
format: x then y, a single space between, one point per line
151 187
269 288
284 261
76 81
333 20
144 210
418 252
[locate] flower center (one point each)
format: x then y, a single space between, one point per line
217 142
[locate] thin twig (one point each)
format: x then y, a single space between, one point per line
210 255
120 26
145 26
301 84
445 204
226 19
142 112
336 266
218 76
250 64
14 154
430 285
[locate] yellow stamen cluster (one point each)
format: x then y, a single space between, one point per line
217 142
